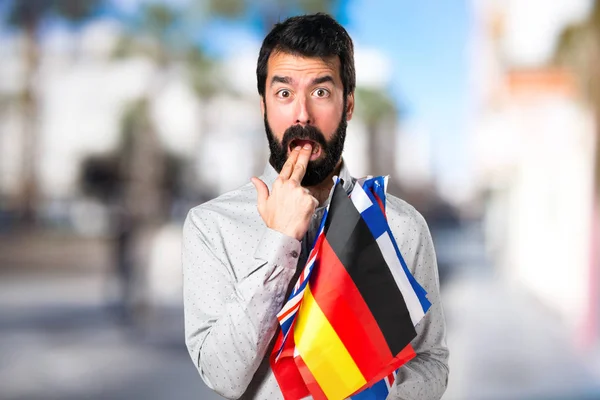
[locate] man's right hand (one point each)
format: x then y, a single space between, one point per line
289 206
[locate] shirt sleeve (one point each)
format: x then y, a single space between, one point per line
230 320
425 377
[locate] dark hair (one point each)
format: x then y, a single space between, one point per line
316 35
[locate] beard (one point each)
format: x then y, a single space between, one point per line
331 151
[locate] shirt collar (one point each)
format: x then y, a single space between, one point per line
269 176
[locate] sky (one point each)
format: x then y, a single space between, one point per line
426 43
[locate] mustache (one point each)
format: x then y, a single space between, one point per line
303 132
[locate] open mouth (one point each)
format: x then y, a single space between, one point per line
316 147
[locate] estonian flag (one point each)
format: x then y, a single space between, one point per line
348 324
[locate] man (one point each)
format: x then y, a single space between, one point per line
242 252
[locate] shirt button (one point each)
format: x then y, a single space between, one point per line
294 254
315 216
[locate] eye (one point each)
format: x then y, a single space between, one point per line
320 92
284 93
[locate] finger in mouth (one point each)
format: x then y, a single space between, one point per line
301 142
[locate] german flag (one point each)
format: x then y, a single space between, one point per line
351 317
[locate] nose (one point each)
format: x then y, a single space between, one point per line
303 112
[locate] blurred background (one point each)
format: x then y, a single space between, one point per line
118 116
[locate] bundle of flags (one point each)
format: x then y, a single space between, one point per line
348 323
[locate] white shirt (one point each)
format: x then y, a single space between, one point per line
238 274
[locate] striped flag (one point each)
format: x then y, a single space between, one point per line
349 321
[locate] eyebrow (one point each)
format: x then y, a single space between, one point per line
288 81
322 79
281 79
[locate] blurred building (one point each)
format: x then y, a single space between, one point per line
534 143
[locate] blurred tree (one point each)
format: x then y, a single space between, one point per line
379 113
139 201
273 11
141 153
268 12
148 174
28 16
578 49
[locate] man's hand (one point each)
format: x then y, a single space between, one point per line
289 206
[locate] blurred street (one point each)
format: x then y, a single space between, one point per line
504 343
59 340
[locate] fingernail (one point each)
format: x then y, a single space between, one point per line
307 146
297 148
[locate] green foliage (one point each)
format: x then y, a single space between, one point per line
155 36
202 73
314 6
374 105
227 8
30 13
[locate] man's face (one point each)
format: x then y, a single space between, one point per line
304 102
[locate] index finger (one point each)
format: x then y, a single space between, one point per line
286 171
301 163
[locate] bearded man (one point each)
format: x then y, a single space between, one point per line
243 251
